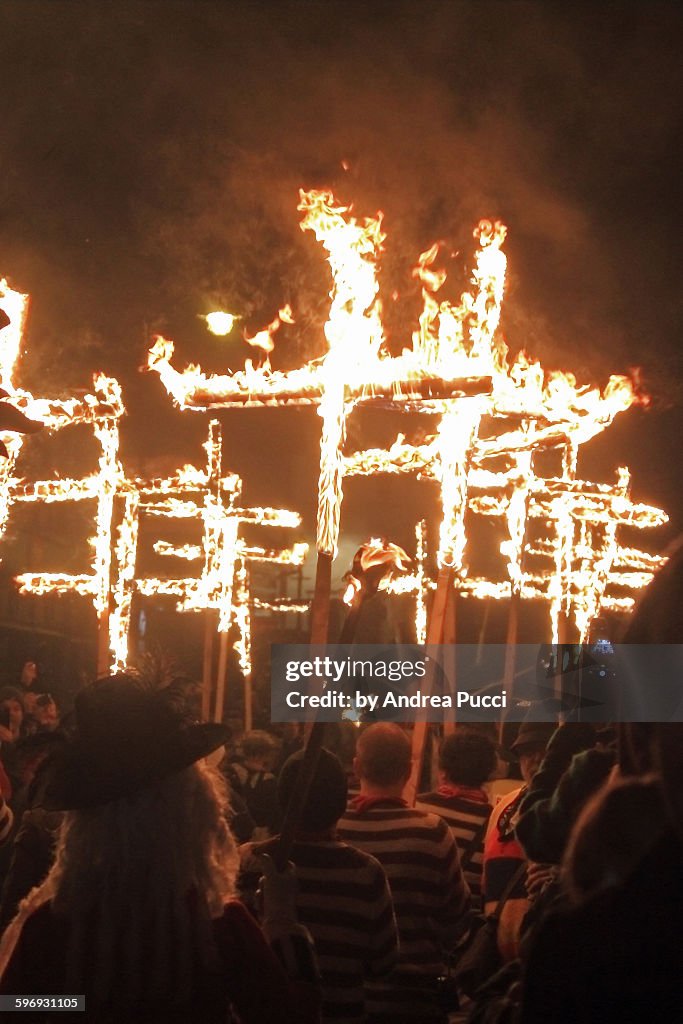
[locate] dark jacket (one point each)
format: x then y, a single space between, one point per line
569 775
617 956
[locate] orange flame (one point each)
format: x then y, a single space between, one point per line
487 471
375 554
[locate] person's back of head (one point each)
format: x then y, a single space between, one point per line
467 758
259 748
327 794
383 756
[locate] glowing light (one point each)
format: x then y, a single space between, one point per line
220 323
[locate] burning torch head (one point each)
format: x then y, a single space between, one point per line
373 566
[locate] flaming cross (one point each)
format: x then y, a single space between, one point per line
201 495
209 498
356 369
101 410
13 312
457 369
191 494
589 570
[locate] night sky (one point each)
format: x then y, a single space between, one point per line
151 156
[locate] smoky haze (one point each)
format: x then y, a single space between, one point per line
151 156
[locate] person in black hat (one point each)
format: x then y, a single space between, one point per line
503 855
137 912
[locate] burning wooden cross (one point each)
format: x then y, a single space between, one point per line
210 499
490 410
357 371
191 494
204 496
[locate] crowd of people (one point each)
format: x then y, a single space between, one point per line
536 883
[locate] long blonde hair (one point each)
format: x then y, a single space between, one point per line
138 881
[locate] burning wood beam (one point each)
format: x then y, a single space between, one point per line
488 409
491 409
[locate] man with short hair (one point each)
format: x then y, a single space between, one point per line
467 760
342 897
420 857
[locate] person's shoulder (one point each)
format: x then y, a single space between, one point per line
594 761
504 803
427 821
354 857
434 798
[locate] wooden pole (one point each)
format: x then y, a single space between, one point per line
320 612
568 638
103 653
222 674
248 704
320 606
320 621
444 584
207 664
450 633
510 652
481 639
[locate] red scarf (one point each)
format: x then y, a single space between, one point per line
472 793
363 803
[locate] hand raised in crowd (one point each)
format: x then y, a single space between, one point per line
537 877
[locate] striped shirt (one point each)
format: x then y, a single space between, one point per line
466 818
343 899
431 901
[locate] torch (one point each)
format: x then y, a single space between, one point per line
373 566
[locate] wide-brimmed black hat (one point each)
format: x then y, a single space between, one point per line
125 738
533 734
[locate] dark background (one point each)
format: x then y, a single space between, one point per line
150 157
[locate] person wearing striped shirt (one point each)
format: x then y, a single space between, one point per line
343 897
420 857
466 760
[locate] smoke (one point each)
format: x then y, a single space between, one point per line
152 155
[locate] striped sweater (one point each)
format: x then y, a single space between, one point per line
343 899
431 901
466 818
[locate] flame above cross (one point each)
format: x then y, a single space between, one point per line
458 369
